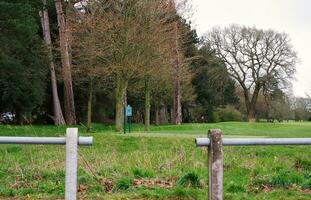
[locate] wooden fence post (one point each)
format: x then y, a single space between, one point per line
215 165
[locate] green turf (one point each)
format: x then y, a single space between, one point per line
167 153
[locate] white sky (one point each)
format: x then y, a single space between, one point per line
290 16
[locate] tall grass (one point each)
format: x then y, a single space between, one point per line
111 167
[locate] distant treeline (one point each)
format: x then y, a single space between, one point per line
67 63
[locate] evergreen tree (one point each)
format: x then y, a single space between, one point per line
22 59
212 83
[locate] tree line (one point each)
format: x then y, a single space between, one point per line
69 62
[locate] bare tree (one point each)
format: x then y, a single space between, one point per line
254 58
176 48
70 115
58 114
129 41
177 115
123 39
157 63
89 68
179 11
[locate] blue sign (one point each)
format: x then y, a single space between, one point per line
128 111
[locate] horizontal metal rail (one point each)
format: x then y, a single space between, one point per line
200 142
86 141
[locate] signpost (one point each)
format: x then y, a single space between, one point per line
128 113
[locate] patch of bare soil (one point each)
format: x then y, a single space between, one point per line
149 183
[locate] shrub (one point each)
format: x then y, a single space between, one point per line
228 113
215 117
199 114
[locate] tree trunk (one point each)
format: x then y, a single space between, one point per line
251 116
163 114
120 97
250 111
177 117
147 105
171 114
66 69
57 110
251 104
89 105
157 114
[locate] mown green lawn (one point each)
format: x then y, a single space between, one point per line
161 164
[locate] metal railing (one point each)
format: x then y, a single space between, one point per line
201 142
215 144
72 140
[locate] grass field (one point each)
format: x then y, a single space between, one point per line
161 164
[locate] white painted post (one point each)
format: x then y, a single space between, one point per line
215 165
71 163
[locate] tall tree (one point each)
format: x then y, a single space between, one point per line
213 85
136 45
302 108
58 113
120 51
89 67
253 58
156 67
177 115
180 41
22 62
176 63
70 115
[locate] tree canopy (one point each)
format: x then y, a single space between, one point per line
254 58
22 59
107 54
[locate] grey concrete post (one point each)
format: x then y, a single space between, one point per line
71 163
215 165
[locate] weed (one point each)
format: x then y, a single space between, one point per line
303 163
14 149
123 183
185 194
234 187
166 154
284 178
141 173
189 179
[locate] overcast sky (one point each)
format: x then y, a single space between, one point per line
290 16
